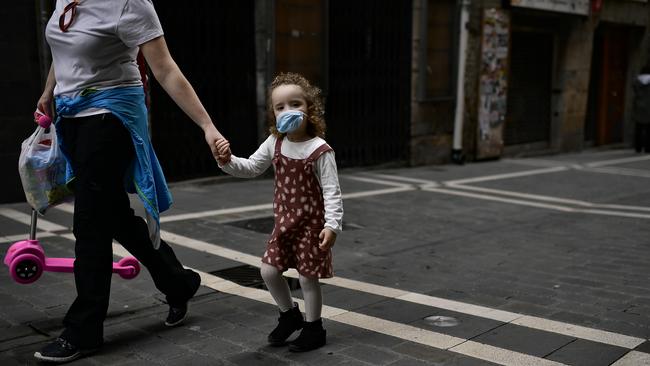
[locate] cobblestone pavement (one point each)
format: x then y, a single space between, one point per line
537 261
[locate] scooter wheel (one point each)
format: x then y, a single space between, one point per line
26 268
129 262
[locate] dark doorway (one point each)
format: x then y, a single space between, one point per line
368 103
528 118
21 85
606 104
213 42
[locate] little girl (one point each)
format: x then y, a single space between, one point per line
307 207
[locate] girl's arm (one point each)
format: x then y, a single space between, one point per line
327 174
171 78
255 165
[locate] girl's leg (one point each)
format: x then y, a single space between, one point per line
290 319
312 335
277 286
313 298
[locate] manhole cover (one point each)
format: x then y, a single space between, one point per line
442 321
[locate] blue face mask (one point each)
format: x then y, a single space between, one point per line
289 121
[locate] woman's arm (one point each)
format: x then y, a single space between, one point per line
44 103
171 78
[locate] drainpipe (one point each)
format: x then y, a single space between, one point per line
457 155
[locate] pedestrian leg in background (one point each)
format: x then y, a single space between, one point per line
641 138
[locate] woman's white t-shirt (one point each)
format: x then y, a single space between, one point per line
99 49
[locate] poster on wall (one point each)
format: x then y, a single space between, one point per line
579 7
493 82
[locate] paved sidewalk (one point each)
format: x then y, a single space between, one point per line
538 261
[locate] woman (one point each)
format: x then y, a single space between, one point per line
101 121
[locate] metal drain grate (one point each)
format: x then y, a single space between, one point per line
265 225
261 225
249 276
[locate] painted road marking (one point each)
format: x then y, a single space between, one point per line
633 358
456 187
550 198
524 173
632 159
403 331
470 309
20 237
547 325
27 219
572 330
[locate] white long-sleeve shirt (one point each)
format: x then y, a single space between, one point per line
324 168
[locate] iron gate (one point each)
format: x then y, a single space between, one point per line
213 42
529 91
368 102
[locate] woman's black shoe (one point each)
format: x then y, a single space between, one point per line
176 315
288 322
178 312
61 351
311 337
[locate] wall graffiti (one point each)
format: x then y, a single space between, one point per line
493 82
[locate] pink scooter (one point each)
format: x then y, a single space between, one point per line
26 259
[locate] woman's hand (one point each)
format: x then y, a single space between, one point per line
212 136
327 238
44 103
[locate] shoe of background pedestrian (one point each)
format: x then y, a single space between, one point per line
178 313
288 322
311 337
61 351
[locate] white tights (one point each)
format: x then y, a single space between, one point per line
279 289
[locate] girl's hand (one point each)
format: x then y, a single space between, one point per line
327 238
222 147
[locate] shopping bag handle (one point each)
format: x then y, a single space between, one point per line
42 119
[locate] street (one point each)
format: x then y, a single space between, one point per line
528 261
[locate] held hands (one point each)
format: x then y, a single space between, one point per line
222 147
212 135
327 238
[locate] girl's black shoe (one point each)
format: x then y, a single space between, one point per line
288 322
311 337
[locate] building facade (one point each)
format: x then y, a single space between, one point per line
407 82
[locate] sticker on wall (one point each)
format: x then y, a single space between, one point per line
493 82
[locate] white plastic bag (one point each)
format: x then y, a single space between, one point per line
42 170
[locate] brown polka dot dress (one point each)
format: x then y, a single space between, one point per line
299 213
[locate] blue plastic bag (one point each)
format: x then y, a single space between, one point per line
42 170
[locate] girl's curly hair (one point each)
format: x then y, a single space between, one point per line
313 96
